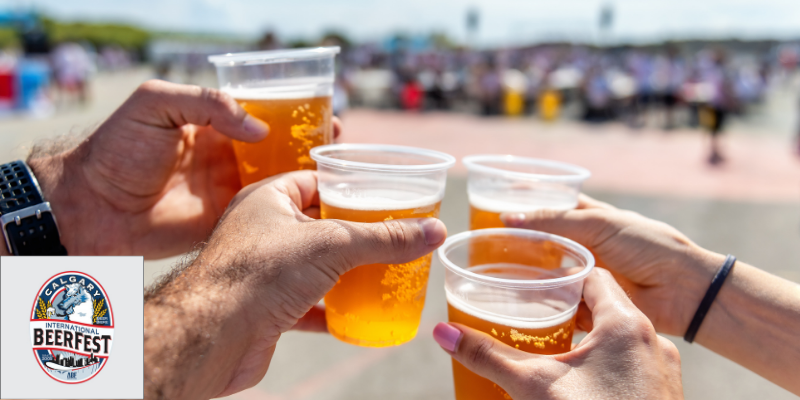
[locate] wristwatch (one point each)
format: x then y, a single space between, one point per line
29 225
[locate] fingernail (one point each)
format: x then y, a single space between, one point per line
515 219
434 230
447 336
255 126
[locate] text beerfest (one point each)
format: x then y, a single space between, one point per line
71 337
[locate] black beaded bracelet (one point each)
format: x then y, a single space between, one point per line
711 294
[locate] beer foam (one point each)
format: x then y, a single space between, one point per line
284 89
507 203
473 308
378 199
495 304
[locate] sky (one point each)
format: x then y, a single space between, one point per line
501 21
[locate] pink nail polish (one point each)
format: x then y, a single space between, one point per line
447 336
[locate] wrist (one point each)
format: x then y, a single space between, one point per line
699 270
64 186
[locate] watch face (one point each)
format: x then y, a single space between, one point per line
72 327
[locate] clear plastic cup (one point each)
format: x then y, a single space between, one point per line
520 297
505 183
379 305
291 91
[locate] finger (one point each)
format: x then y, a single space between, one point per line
299 186
169 105
583 320
312 212
313 321
588 227
480 353
585 201
608 303
389 242
337 127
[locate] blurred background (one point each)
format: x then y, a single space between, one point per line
684 111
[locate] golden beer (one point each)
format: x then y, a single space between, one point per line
485 213
378 305
295 126
553 336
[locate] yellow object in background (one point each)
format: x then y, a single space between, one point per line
549 105
513 103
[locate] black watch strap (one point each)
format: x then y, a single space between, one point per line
28 223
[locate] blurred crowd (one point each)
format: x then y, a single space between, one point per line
596 85
39 78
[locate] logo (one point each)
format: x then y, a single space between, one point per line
72 327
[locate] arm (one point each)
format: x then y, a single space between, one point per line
753 321
211 328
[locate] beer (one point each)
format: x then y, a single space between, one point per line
378 305
485 213
295 126
486 312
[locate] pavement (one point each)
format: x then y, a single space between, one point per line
749 207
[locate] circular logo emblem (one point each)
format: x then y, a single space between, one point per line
72 327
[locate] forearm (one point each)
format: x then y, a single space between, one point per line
754 321
193 336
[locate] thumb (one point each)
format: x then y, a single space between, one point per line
589 227
169 105
485 355
389 242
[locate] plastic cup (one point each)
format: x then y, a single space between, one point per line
291 91
520 301
379 305
504 183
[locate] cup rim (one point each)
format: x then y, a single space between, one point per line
272 56
530 284
318 155
578 173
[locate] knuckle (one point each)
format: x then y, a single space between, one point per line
639 329
397 234
669 350
603 273
218 99
151 86
480 353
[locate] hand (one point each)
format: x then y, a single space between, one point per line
666 276
621 357
155 177
665 273
211 329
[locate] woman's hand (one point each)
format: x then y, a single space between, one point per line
665 273
622 357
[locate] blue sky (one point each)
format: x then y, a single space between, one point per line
502 21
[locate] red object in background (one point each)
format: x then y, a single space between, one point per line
6 87
411 96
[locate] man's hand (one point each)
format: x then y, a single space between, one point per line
155 177
620 358
211 329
